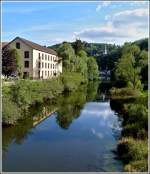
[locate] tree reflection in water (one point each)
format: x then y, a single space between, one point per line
68 108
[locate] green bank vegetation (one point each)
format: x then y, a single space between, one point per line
130 92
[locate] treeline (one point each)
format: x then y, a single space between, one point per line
114 52
129 97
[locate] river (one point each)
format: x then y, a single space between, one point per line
76 132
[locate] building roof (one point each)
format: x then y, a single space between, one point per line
36 46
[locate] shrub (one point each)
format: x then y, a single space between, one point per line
11 113
140 165
132 151
124 93
136 113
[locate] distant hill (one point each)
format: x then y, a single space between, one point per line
113 52
92 49
142 43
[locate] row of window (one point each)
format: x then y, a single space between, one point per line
47 57
48 73
47 65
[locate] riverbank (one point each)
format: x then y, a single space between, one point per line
18 97
132 106
80 132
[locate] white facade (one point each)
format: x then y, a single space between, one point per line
36 64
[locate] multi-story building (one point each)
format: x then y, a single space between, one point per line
39 62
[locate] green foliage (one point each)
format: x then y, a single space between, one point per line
127 69
142 43
81 63
72 81
9 65
18 63
93 73
134 152
137 112
124 93
78 46
66 52
11 112
24 93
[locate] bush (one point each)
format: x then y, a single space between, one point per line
23 93
140 165
134 152
124 93
11 113
134 130
136 113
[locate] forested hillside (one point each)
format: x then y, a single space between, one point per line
114 52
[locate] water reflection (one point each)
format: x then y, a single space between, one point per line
78 136
68 107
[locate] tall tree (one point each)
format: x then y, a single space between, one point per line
78 46
81 63
93 72
9 64
66 52
128 70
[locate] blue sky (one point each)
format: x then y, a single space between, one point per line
49 23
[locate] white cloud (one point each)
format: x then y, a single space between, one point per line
127 25
115 4
98 134
103 4
136 17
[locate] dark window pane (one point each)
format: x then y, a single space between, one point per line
26 54
26 64
18 45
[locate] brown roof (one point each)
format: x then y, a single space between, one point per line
36 46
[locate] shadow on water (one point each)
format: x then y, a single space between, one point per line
78 127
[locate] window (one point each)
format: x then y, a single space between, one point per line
26 54
17 45
39 64
45 65
45 73
39 55
48 57
48 73
42 73
42 65
48 65
45 57
42 56
53 66
26 64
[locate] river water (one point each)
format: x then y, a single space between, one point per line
76 132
